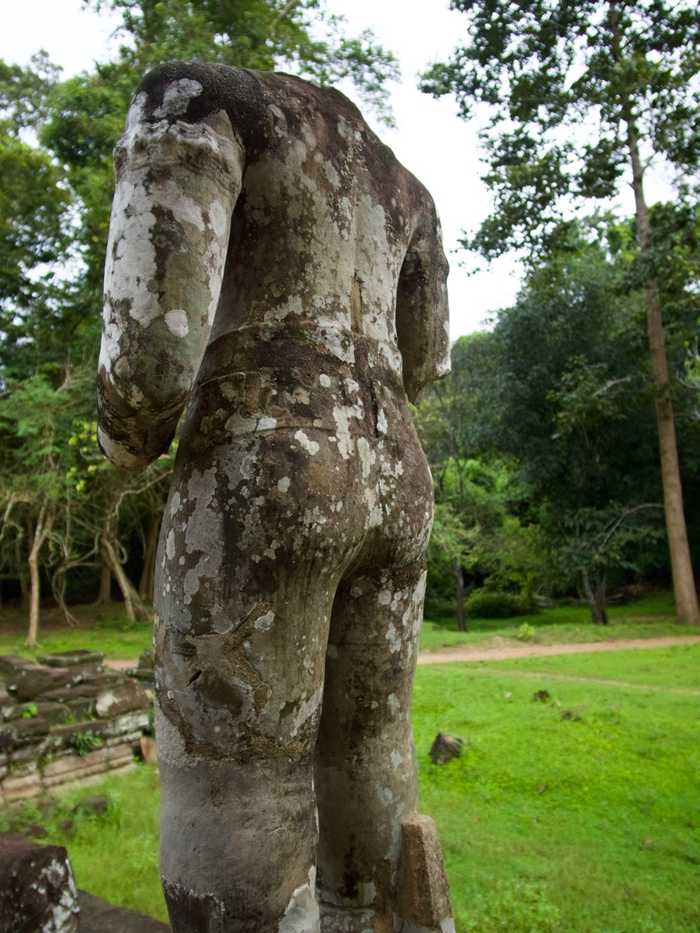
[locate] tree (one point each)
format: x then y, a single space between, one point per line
575 414
579 91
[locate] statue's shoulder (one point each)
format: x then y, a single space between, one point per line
192 90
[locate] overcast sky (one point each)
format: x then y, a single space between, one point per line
429 139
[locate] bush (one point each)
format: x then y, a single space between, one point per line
526 632
491 604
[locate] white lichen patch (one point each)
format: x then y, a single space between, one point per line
311 447
284 484
325 380
177 323
177 97
306 710
302 914
342 415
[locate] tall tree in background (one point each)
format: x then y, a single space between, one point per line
581 92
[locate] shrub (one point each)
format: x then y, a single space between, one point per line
85 742
526 632
491 604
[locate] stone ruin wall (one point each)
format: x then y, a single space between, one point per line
66 720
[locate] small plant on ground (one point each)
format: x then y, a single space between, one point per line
526 632
85 742
30 711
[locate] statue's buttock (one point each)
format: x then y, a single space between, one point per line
272 266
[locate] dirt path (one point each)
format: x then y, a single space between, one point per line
120 664
465 653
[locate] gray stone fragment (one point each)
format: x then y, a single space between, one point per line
37 891
445 748
80 657
423 903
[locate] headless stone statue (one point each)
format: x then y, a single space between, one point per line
272 265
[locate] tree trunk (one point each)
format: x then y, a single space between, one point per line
132 603
149 559
459 596
22 576
596 597
41 532
687 610
104 594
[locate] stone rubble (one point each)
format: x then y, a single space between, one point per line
64 719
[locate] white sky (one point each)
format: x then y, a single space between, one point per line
429 139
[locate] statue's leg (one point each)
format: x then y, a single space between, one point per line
365 770
245 594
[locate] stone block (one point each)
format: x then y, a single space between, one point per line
21 787
52 711
37 891
30 682
149 751
10 663
19 732
25 758
121 699
81 657
67 764
423 900
126 724
64 694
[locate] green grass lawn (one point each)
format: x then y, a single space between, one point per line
677 667
549 825
105 629
650 617
588 825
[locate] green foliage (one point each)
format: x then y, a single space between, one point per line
30 711
260 34
85 742
563 83
490 604
526 632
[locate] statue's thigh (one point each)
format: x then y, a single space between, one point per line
252 548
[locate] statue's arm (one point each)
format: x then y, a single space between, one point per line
177 181
422 313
